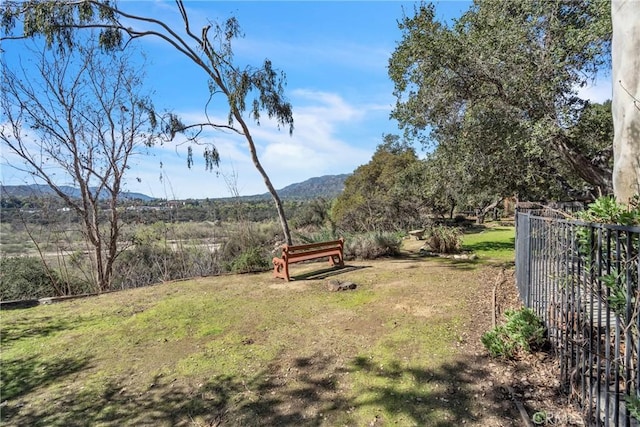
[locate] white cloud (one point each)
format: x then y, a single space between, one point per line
317 147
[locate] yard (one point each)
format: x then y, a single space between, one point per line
401 349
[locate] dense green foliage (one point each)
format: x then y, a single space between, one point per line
606 210
522 331
617 277
496 93
374 198
28 278
251 260
23 278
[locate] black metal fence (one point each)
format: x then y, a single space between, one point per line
582 280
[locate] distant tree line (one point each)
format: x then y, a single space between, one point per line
51 210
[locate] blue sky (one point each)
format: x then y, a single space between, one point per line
335 56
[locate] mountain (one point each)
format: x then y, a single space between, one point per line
327 187
36 190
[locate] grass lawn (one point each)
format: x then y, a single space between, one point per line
492 243
250 350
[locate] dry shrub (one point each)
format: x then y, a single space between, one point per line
444 240
372 245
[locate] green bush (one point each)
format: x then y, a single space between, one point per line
522 331
444 240
607 210
242 237
26 278
323 234
251 260
633 405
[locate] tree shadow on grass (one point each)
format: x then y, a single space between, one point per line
450 400
305 391
24 375
326 272
27 328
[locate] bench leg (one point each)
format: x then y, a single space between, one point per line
336 260
280 269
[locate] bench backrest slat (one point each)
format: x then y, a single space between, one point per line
312 246
303 256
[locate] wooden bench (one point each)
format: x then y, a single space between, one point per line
292 254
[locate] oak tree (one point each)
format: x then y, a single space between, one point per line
499 85
373 198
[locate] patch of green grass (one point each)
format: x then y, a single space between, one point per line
491 243
352 300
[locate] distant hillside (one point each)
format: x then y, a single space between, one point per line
35 190
328 187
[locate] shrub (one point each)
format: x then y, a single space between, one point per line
242 237
633 405
26 278
522 331
148 264
251 260
372 245
446 240
607 210
323 234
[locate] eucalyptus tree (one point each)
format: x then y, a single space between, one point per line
626 98
500 84
78 118
249 91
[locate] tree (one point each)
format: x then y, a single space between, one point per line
249 91
626 98
78 118
372 199
500 84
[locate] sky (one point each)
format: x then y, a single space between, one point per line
335 56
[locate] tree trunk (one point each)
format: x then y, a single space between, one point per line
625 58
594 175
265 177
482 212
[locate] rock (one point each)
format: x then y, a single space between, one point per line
335 286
